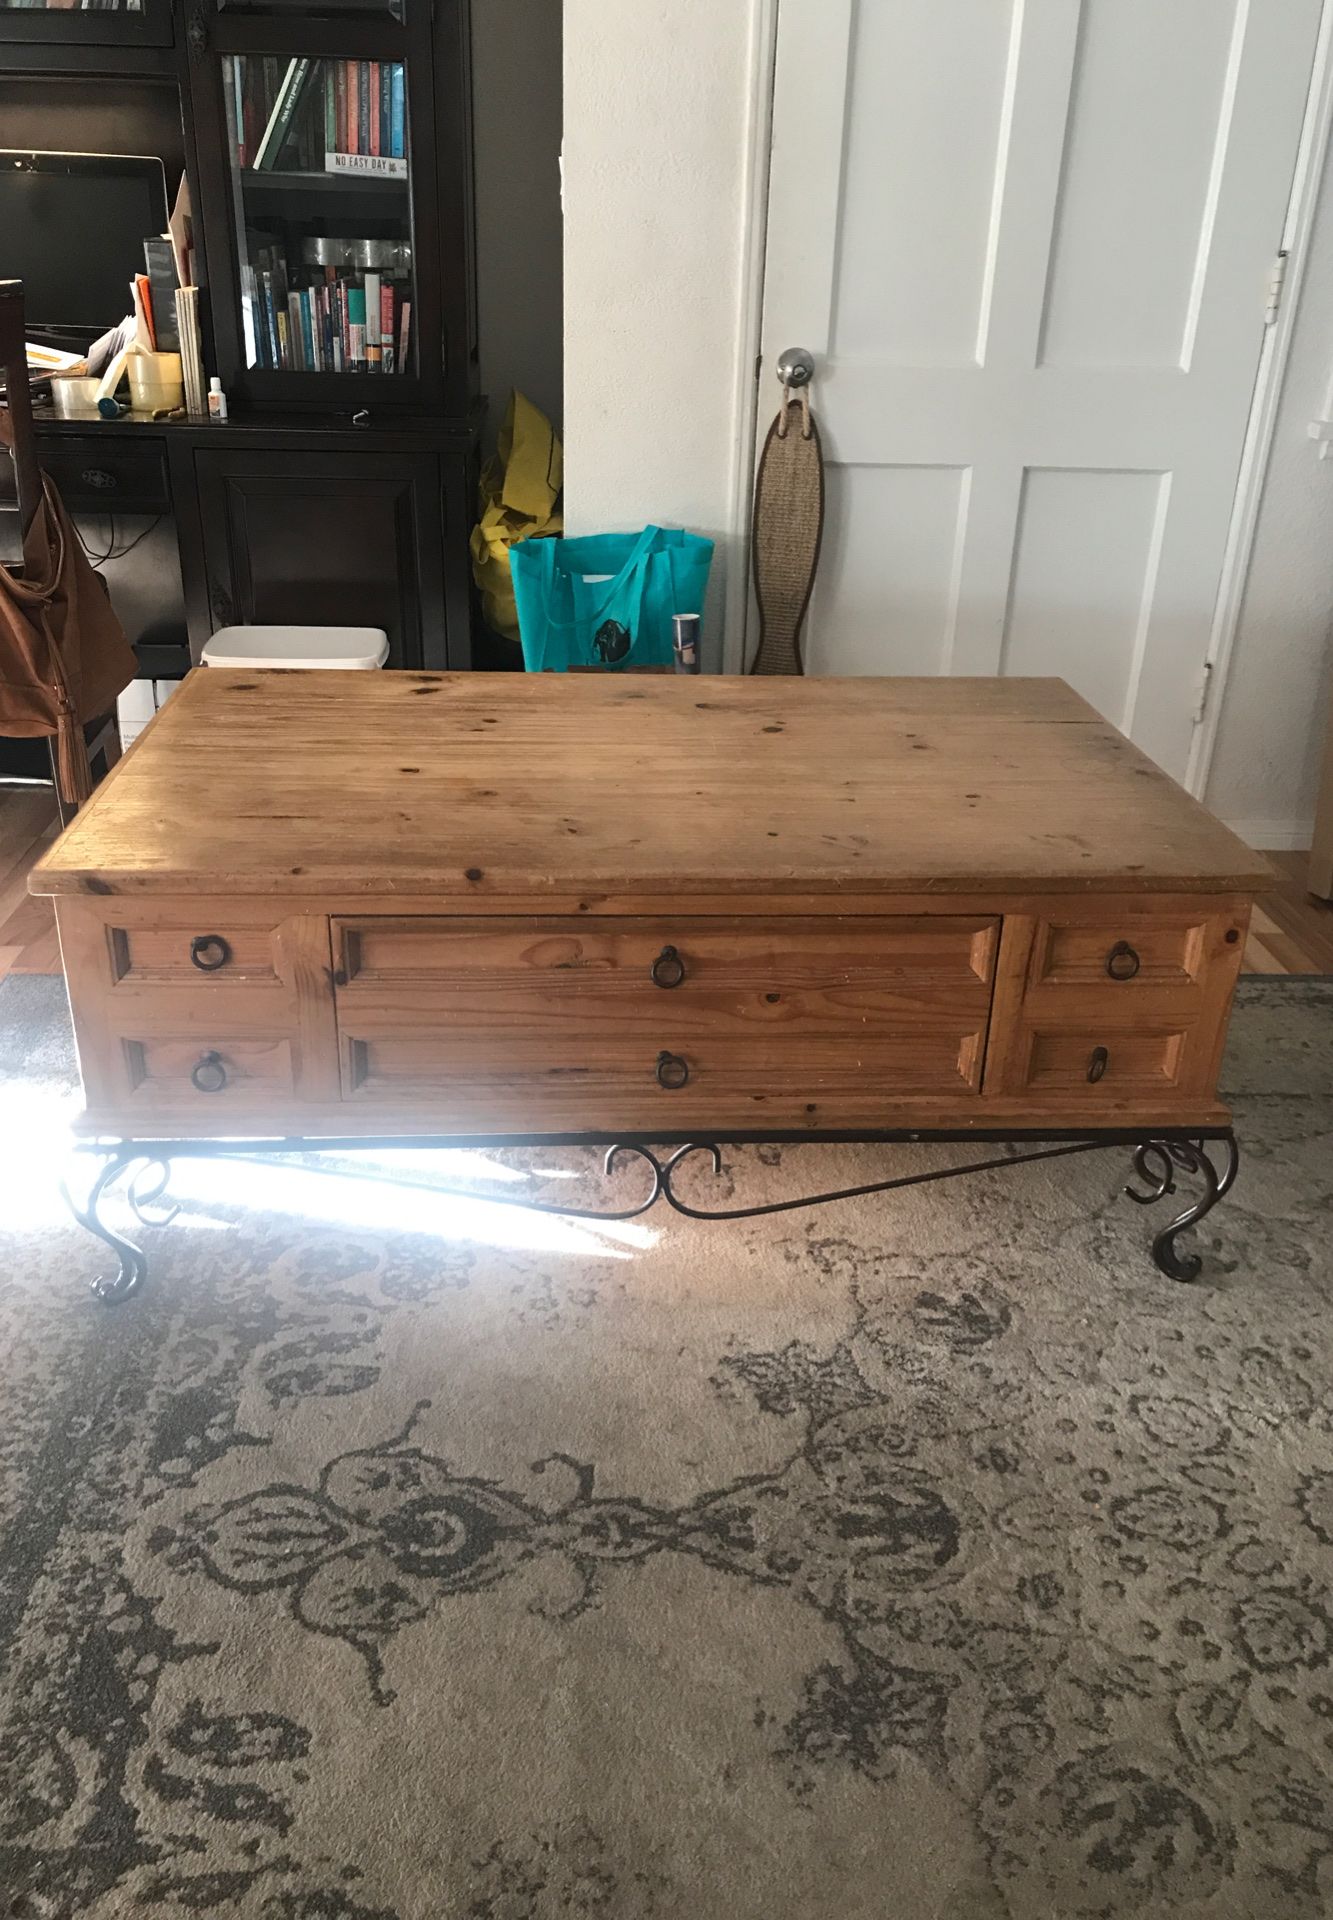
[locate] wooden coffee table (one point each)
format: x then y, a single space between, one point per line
316 909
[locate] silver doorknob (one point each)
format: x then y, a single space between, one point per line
796 367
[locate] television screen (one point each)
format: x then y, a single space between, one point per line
72 228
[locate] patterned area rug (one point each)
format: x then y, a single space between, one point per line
394 1558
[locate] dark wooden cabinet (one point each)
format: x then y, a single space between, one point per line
332 495
147 23
317 538
332 153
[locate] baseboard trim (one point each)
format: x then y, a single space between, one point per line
1275 836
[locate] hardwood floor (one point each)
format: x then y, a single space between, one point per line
1291 931
27 925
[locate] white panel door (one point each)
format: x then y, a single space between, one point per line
1029 243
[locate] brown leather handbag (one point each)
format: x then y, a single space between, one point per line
63 653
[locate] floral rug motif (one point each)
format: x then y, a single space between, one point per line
399 1558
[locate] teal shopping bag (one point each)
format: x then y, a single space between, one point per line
606 600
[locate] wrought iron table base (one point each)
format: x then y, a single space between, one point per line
1158 1158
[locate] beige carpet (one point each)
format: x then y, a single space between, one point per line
393 1558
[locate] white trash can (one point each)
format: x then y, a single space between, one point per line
347 647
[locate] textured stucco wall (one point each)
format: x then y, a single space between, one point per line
1265 771
659 98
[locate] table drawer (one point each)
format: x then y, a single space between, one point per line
175 1070
196 952
1101 1067
567 1024
1131 950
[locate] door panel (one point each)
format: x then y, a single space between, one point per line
1143 139
1085 558
1029 246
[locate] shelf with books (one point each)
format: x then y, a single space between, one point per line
334 319
312 114
323 213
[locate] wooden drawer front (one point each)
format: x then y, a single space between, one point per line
230 1071
1107 1068
144 1014
197 953
1130 952
858 964
560 1024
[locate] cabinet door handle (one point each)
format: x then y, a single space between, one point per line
668 970
672 1071
1122 963
1098 1061
208 952
209 1075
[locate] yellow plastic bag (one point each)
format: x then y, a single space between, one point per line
520 494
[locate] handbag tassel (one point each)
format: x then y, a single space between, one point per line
72 769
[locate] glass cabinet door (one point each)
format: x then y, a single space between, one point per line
86 22
320 178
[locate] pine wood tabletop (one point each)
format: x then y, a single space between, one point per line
477 785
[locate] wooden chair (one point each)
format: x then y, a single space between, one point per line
101 737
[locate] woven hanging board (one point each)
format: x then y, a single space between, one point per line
788 527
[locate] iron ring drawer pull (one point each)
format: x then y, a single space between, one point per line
209 1075
668 970
672 1071
1098 1063
209 951
1122 963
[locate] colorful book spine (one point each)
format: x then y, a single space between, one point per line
386 327
373 98
363 106
386 106
398 111
284 110
373 310
299 362
404 334
308 332
270 319
352 131
340 106
356 329
330 108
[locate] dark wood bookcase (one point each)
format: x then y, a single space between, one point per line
336 491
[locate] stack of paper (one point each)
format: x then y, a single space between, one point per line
192 360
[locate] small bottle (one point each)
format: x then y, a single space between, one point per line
217 400
685 641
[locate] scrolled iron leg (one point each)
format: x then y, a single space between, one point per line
1156 1162
133 1269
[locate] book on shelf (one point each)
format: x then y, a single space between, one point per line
192 364
339 321
160 261
282 114
290 114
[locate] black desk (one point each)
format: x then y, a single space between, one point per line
302 519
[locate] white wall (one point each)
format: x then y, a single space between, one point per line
659 99
516 92
1265 773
